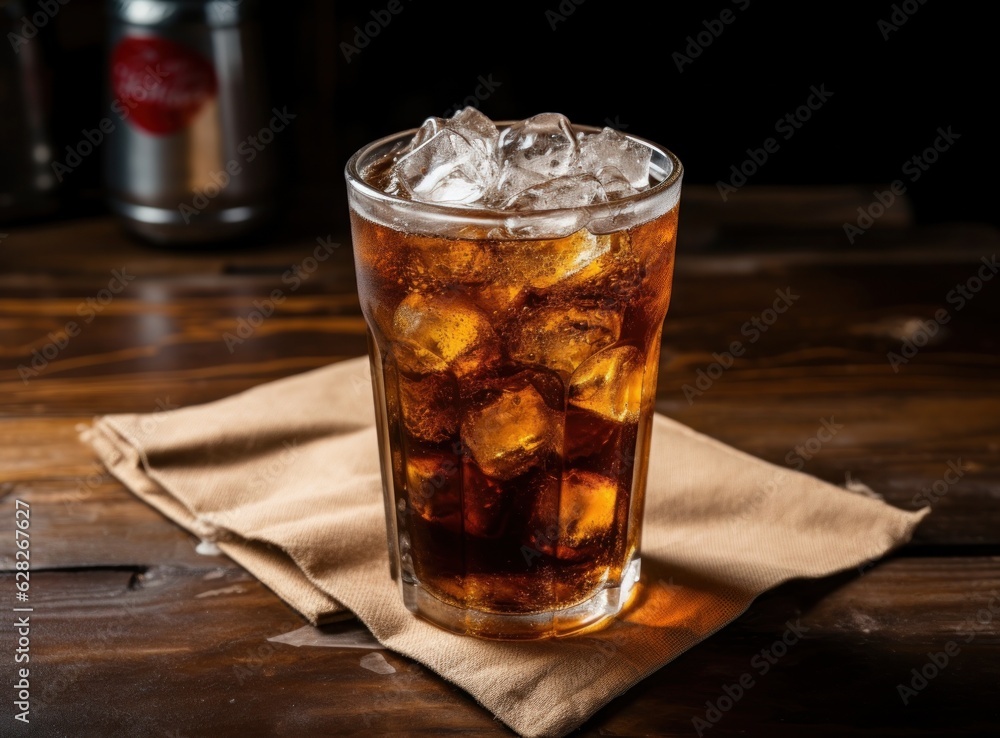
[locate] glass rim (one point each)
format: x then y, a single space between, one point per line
489 216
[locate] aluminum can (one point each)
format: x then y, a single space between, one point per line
185 161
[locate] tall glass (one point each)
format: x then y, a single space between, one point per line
514 362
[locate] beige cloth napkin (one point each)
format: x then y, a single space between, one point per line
285 477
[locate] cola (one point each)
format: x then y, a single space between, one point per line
514 359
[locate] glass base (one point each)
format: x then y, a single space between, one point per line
585 615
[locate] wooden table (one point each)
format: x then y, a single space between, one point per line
134 633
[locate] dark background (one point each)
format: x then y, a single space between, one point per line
609 61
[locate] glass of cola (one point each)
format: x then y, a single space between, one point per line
514 278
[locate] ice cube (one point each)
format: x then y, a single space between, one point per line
476 128
485 503
606 269
524 224
587 503
611 148
446 168
432 485
535 164
430 128
429 406
443 262
616 185
392 179
570 191
511 180
545 263
542 530
544 144
595 443
561 338
609 384
378 313
550 386
499 298
439 333
513 432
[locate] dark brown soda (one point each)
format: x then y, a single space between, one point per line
518 379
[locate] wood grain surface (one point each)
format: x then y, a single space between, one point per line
137 634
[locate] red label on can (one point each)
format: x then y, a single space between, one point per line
161 83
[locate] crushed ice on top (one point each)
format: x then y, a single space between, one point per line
536 164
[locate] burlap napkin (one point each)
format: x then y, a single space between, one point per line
285 478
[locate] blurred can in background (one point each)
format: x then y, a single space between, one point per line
191 159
